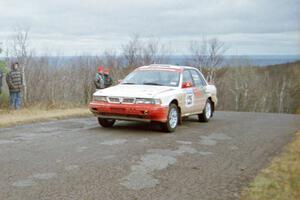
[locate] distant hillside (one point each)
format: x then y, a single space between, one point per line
253 60
290 75
275 88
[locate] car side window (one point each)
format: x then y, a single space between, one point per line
203 80
187 76
198 78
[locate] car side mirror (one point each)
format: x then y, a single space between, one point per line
187 84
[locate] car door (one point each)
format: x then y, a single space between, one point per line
188 106
199 90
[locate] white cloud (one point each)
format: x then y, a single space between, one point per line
92 25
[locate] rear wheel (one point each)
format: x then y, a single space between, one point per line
172 120
207 112
106 122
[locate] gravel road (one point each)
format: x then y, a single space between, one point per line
77 159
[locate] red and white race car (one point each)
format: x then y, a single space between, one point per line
156 93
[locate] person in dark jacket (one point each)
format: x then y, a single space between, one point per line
107 79
14 81
99 79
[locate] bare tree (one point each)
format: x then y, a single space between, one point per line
208 54
142 51
18 48
154 52
242 86
132 51
115 64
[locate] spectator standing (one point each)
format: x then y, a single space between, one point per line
99 79
107 79
14 81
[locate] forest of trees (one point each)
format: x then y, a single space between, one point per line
55 82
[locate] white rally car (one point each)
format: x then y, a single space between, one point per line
156 93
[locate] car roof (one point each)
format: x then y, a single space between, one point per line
165 67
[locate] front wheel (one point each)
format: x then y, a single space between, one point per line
206 113
172 120
106 122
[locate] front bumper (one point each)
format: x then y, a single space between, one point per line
131 112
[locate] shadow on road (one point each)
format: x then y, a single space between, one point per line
132 127
142 127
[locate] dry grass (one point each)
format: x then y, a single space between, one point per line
11 118
281 180
298 110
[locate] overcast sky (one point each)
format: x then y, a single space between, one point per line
72 27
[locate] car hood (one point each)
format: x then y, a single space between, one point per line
142 91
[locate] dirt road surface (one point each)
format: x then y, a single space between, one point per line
77 159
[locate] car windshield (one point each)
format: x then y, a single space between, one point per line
153 77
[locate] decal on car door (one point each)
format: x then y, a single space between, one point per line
189 98
197 92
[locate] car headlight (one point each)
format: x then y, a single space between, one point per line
147 101
100 98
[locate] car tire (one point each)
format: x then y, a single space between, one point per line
207 112
172 119
106 122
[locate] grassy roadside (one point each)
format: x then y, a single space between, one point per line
24 116
281 179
